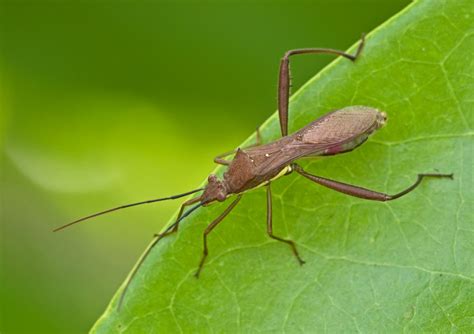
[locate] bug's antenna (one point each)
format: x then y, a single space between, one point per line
148 250
127 206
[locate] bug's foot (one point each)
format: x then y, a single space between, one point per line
201 264
359 48
197 273
450 176
160 235
298 257
164 234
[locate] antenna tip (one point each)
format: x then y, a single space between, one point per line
62 227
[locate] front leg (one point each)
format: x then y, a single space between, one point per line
208 230
180 213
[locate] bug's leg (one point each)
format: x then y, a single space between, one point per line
258 137
221 161
208 230
180 213
284 79
158 237
220 158
364 193
291 243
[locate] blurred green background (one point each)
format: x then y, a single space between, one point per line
105 103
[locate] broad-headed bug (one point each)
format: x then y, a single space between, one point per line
259 165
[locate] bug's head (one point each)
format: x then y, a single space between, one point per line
215 190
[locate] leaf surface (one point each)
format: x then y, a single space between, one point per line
370 266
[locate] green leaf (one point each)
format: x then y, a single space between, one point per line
370 266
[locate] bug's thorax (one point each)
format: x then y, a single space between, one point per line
241 175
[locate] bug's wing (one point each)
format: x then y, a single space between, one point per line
337 132
269 158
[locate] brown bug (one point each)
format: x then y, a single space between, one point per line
258 165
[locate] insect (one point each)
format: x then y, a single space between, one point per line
259 165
